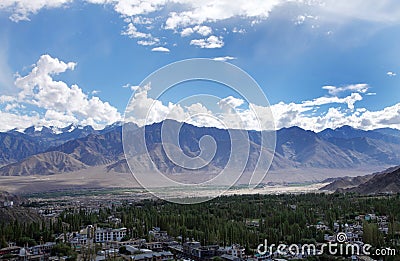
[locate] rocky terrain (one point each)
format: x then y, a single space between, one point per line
387 181
49 151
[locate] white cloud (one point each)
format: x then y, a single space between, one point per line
301 19
391 74
199 12
209 43
360 87
137 7
133 32
12 106
142 20
22 9
224 58
154 41
187 32
62 104
193 15
131 87
195 12
202 30
230 104
305 114
6 99
238 31
160 49
10 120
146 110
57 118
146 39
349 100
236 113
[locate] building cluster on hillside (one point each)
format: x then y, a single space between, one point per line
354 229
161 247
106 242
34 253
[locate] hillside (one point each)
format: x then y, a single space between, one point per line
43 164
387 181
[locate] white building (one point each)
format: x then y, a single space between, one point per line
109 234
8 204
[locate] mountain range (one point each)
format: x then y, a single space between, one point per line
387 181
47 150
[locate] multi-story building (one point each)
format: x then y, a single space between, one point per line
196 251
102 235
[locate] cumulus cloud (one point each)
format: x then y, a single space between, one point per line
224 58
349 100
11 120
186 32
154 41
230 104
199 12
316 114
194 12
304 114
144 110
6 99
360 87
139 15
209 43
390 74
202 30
61 104
131 87
200 17
133 32
141 20
160 49
22 9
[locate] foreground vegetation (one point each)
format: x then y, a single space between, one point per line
242 219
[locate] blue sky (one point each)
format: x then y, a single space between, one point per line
67 61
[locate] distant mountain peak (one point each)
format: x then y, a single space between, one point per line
345 127
70 128
294 129
113 125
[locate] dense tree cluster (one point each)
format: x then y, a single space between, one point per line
243 219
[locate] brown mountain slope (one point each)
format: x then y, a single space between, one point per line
43 164
347 182
387 182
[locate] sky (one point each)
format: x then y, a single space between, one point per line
321 63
